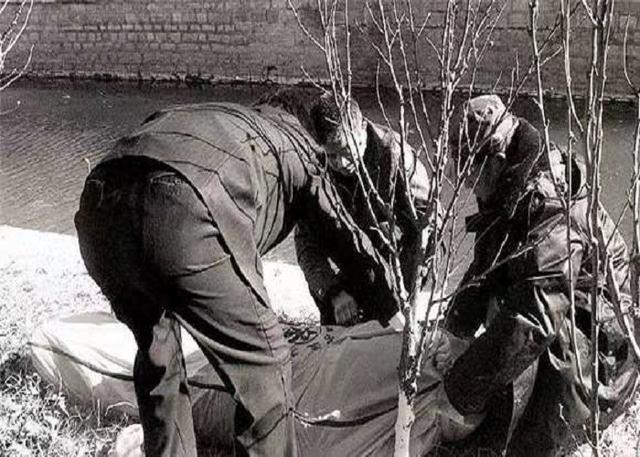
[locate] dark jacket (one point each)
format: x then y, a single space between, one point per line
382 160
255 169
518 288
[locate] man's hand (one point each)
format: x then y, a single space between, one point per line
442 357
345 309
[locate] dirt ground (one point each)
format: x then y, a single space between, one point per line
42 275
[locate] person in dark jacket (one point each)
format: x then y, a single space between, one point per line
339 297
518 285
172 224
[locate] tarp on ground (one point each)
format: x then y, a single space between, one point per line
344 380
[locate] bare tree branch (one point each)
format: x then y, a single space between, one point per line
10 37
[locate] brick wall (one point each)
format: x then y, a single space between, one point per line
260 39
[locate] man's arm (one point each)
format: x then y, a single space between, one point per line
313 258
468 308
529 313
352 249
316 203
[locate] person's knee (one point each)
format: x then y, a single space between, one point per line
269 397
253 427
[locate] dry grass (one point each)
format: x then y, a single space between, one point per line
42 275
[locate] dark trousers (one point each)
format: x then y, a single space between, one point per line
154 250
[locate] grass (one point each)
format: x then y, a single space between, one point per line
36 419
42 275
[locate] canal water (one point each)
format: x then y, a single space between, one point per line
52 132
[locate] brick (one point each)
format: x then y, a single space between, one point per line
189 15
187 47
228 37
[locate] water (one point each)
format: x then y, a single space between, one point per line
51 133
49 140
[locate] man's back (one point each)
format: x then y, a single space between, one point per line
255 170
244 163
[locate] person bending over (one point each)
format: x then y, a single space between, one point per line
341 298
518 284
172 224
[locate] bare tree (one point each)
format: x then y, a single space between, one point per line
10 36
399 35
634 186
588 127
